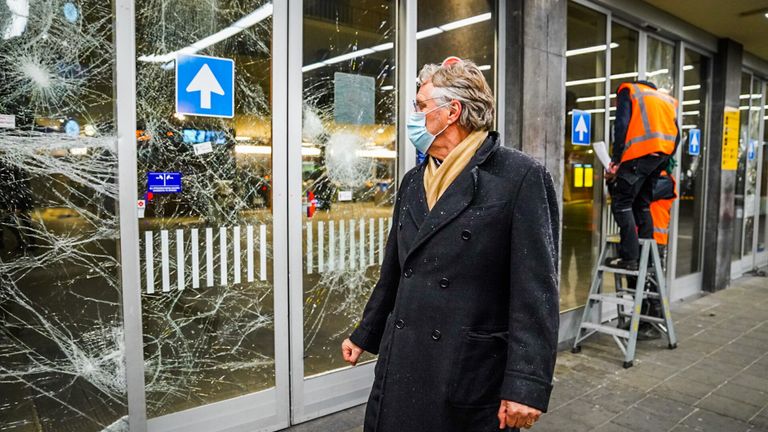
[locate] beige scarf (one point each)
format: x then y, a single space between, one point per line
438 178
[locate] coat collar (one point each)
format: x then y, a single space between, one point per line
455 199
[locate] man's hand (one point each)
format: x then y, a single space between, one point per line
513 414
350 351
610 172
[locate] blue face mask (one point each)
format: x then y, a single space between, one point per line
417 129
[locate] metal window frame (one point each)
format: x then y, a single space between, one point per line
267 409
127 177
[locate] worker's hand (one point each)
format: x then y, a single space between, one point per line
350 351
610 172
512 414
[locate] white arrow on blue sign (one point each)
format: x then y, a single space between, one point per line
694 142
205 86
751 150
581 128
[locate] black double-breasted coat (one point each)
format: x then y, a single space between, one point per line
465 311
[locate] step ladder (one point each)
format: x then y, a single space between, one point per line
628 300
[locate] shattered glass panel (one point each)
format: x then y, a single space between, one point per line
461 28
206 250
348 166
61 333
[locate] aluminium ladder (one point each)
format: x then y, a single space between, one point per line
628 301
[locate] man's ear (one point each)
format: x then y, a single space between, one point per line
455 113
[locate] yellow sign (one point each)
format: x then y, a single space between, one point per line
730 139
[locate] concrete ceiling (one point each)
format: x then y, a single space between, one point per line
741 20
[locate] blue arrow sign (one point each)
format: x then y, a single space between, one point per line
581 128
694 142
164 182
205 86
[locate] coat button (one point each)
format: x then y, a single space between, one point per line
436 334
466 235
408 272
444 283
399 323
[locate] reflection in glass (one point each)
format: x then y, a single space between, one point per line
348 167
585 90
690 182
207 297
754 112
465 29
660 65
741 170
61 332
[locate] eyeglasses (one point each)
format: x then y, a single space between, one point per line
418 106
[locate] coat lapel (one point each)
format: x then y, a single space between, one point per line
453 201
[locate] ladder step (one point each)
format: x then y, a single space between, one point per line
646 294
610 298
609 269
606 329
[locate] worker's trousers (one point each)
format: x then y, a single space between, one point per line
631 195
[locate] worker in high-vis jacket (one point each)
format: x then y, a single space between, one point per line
646 134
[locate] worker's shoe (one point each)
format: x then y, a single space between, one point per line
622 264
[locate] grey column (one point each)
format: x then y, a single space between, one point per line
721 185
535 81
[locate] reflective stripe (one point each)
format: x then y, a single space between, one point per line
658 94
650 136
641 105
661 230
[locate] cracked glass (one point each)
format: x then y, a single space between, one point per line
206 249
61 333
348 158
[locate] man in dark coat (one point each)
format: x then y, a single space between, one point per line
465 314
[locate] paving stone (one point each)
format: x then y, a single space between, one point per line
642 421
740 393
728 407
751 381
707 421
668 408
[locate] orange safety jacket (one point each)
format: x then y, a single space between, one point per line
653 125
660 212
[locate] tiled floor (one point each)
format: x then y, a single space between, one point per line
716 380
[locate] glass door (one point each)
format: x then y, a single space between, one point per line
212 275
762 213
343 159
691 157
748 204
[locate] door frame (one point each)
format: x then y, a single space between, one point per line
690 284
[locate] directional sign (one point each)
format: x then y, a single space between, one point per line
581 127
205 86
164 182
751 150
694 142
